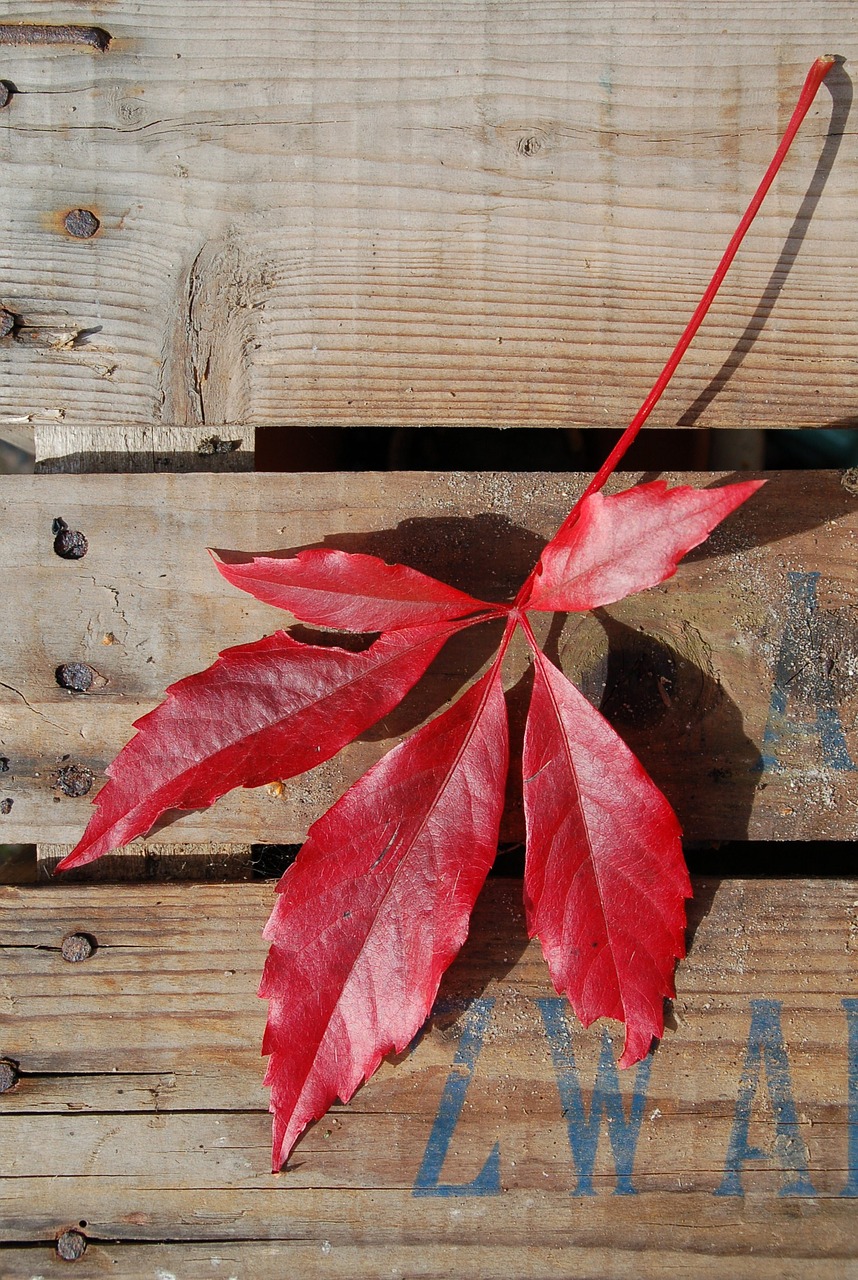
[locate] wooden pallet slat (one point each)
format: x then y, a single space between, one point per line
713 659
442 214
150 1117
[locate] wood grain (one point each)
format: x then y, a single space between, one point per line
431 1261
140 1113
411 213
686 671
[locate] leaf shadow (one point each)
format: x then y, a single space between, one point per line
497 939
688 733
785 507
485 555
680 722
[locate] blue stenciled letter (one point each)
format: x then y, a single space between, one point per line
607 1100
766 1048
798 668
487 1181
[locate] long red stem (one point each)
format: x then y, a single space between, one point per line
815 76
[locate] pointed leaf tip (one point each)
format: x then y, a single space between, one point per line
263 712
376 907
625 542
605 880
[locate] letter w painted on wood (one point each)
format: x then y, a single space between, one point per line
607 1100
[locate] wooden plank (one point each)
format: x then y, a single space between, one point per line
139 1111
532 1262
414 213
426 1261
687 671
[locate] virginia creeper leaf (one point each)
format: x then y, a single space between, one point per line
376 907
262 712
329 588
628 541
605 882
378 903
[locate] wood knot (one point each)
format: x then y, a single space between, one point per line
529 145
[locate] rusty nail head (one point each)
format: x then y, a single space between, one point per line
6 805
8 1074
77 947
7 322
81 223
74 780
70 544
71 1245
77 676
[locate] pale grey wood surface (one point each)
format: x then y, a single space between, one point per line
406 213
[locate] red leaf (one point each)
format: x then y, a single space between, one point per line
627 542
376 907
378 902
262 712
353 592
605 881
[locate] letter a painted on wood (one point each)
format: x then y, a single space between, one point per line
802 668
766 1050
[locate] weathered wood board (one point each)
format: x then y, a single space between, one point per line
734 681
503 1144
386 212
